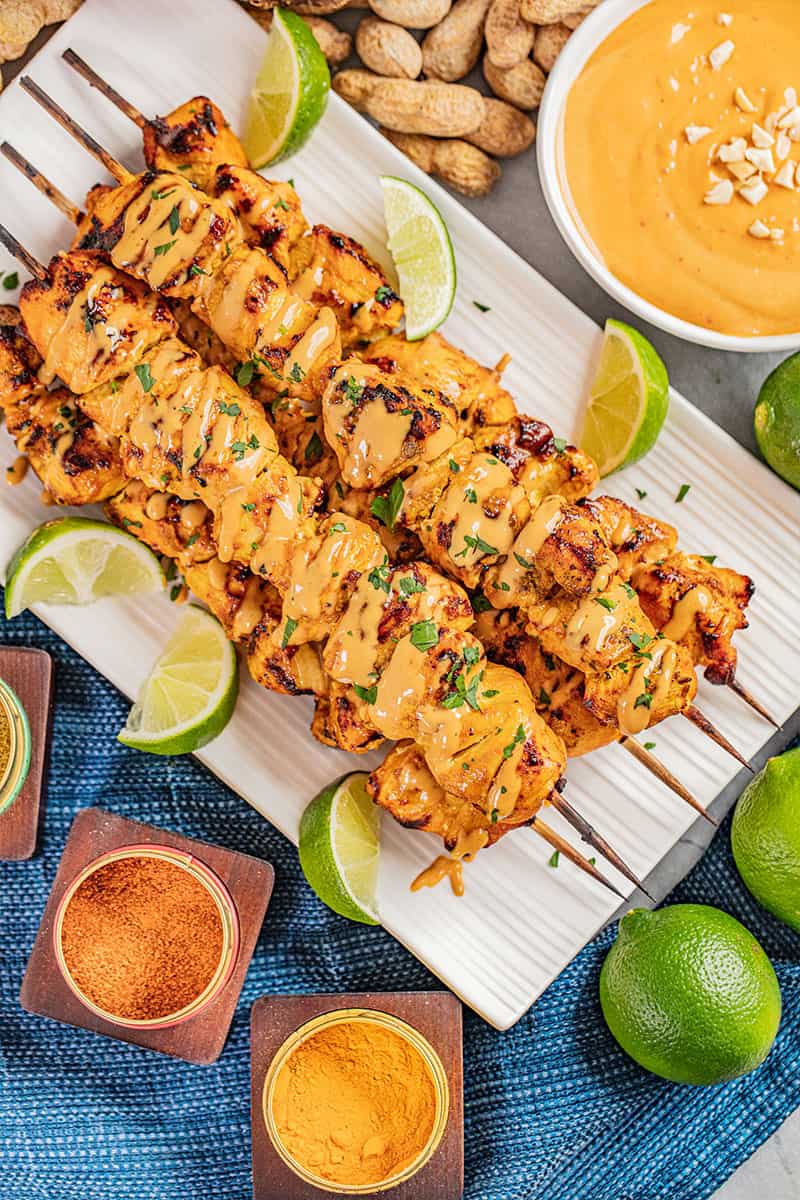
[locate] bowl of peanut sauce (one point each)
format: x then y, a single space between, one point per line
669 154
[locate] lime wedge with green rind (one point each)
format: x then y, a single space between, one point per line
190 694
339 848
423 255
777 420
290 92
628 402
75 560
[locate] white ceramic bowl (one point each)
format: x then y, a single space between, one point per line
550 152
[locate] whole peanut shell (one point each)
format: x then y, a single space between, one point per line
547 12
438 109
334 43
466 168
413 14
521 86
550 41
452 48
573 20
388 49
509 39
504 130
355 85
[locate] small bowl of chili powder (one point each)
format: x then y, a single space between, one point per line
146 936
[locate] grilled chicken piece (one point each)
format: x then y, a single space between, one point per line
592 633
197 334
401 545
334 270
193 139
543 465
181 530
19 361
474 391
301 438
269 211
341 719
634 536
381 424
699 605
239 600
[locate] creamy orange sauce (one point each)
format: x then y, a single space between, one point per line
638 179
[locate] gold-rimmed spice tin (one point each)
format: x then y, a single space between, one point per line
224 906
410 1035
14 771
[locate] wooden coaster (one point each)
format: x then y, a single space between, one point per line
199 1039
30 674
437 1015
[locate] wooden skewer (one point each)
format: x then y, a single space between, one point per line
562 845
120 173
594 839
37 269
658 769
78 64
741 691
701 722
42 183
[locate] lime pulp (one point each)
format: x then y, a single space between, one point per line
420 246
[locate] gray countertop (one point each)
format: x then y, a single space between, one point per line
725 387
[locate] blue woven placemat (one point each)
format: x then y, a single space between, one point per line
553 1109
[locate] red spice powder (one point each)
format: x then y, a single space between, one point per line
142 938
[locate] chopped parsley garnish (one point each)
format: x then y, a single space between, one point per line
339 490
386 508
368 695
494 816
191 541
11 281
683 492
175 591
288 630
353 389
174 219
142 373
164 248
248 507
544 697
424 635
560 444
282 204
245 372
229 410
502 586
198 450
553 859
519 738
649 745
313 450
629 592
479 603
709 558
156 195
379 577
641 494
127 522
645 700
297 374
475 543
523 562
609 605
488 695
383 293
409 585
465 693
239 450
639 641
114 387
165 478
471 495
253 443
454 467
338 527
471 655
195 270
481 307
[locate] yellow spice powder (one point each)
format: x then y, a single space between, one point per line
355 1103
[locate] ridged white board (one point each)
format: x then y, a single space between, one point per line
520 921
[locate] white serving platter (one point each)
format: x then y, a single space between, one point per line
521 921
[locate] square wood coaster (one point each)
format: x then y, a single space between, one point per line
437 1015
29 673
249 881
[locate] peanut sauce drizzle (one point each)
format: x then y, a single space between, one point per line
442 867
492 485
690 605
17 471
147 241
529 541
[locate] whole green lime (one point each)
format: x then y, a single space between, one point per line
765 837
690 994
777 420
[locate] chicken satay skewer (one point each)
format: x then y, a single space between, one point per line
559 843
594 839
657 768
512 756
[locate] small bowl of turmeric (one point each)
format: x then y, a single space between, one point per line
146 936
356 1101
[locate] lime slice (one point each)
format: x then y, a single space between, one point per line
290 92
628 402
339 847
423 255
74 560
190 694
777 420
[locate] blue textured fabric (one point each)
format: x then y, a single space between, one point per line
553 1109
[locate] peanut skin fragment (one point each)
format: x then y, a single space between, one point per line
355 85
388 49
521 86
504 131
334 43
509 39
548 12
464 167
438 109
413 14
452 48
550 41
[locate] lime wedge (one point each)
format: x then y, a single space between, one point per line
423 255
74 560
628 402
339 848
290 93
190 694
